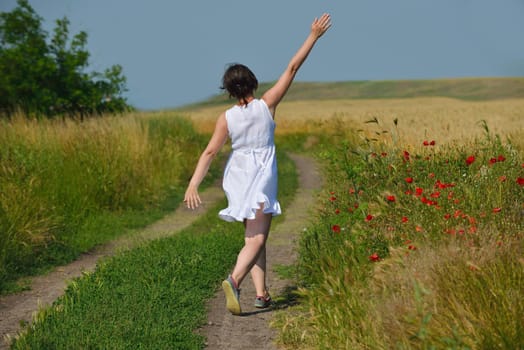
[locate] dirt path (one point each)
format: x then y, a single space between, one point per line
250 331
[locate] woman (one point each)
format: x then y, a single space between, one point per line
250 176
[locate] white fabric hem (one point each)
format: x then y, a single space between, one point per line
231 214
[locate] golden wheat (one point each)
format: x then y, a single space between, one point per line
441 119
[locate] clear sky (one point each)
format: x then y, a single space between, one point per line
174 52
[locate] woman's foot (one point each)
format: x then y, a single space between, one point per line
232 296
263 302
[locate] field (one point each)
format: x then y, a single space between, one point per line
418 241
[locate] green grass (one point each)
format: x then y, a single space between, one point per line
413 249
471 89
153 297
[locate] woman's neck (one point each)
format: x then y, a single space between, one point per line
245 101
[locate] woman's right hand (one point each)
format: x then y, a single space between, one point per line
191 198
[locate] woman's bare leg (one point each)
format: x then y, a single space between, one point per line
258 273
252 256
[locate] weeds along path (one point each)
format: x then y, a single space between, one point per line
251 330
19 308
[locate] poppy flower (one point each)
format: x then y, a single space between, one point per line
332 198
520 181
470 160
390 198
374 257
502 178
425 143
335 228
497 210
412 247
418 191
405 219
501 158
337 211
409 180
492 161
406 155
369 217
432 143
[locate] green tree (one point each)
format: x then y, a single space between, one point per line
51 78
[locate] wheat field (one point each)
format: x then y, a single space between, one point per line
442 119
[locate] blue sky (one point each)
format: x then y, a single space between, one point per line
174 52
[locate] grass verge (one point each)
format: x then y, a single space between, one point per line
414 247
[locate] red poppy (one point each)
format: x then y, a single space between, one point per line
501 158
406 155
418 228
435 194
492 160
409 180
520 181
383 154
405 219
374 257
470 160
333 198
447 216
425 143
432 143
391 198
337 211
412 247
502 178
335 228
496 210
369 217
351 190
418 191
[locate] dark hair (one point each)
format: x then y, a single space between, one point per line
239 81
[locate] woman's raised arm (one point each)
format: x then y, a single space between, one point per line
274 95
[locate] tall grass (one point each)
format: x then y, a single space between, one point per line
66 186
417 246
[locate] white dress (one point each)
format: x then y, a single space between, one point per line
250 176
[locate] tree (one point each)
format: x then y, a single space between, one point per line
50 78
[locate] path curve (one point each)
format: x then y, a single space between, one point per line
251 330
223 330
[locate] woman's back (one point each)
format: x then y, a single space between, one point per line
250 126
